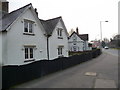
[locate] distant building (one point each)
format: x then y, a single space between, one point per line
78 42
116 37
95 44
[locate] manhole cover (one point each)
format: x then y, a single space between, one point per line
90 73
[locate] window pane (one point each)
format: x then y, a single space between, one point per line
58 51
25 26
74 48
74 43
60 32
30 27
31 52
26 50
31 55
61 50
26 56
26 53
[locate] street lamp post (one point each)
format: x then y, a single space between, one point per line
101 31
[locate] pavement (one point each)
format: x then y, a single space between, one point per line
101 72
102 83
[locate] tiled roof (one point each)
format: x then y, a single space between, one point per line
9 18
82 36
49 25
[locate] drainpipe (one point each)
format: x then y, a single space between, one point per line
48 46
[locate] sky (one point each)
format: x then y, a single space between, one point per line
84 14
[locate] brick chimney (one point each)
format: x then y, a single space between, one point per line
77 30
4 7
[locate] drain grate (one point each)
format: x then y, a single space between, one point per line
91 74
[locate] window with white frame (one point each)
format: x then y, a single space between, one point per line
59 32
29 53
74 43
28 26
60 50
74 48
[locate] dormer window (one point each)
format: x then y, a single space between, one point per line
59 32
28 27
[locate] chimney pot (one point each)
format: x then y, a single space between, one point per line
36 11
77 30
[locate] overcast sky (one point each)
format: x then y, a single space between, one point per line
84 14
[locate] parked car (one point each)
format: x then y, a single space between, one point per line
106 47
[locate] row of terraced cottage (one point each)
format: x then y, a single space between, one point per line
25 38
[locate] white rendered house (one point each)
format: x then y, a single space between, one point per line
78 42
22 34
24 38
75 43
57 38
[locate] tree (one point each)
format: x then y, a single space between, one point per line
115 42
103 44
71 31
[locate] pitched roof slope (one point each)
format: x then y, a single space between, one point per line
82 36
9 18
49 25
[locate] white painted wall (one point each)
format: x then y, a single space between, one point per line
86 46
4 47
16 41
79 43
54 42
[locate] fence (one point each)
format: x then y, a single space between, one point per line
13 75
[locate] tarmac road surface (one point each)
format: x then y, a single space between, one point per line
101 72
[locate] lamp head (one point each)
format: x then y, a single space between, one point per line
106 21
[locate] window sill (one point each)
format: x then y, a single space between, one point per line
60 37
29 60
32 34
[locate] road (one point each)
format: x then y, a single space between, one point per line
101 72
113 52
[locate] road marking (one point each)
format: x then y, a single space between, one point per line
90 73
104 83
